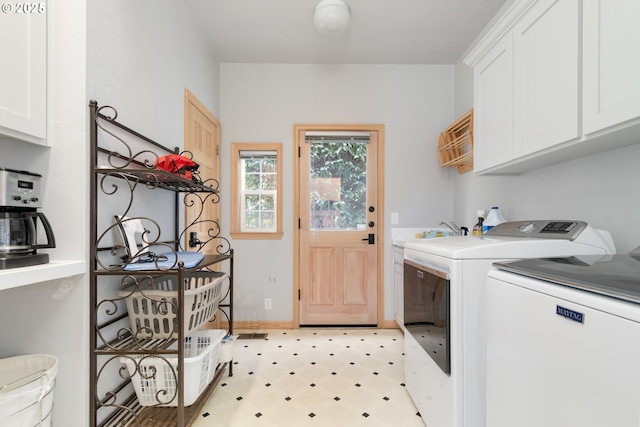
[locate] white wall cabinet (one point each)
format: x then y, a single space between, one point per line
545 70
526 83
493 109
23 86
528 86
611 58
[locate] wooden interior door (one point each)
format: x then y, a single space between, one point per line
202 140
338 229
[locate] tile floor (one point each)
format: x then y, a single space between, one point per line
314 377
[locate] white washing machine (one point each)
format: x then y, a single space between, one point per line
444 307
563 342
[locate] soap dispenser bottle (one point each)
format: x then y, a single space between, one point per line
477 229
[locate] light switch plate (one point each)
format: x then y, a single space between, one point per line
394 218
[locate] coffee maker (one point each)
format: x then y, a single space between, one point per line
20 194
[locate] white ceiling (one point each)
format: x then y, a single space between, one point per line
380 32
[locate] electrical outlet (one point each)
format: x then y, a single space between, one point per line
267 303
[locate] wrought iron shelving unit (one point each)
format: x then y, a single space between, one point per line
122 166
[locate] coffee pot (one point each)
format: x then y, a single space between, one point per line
18 232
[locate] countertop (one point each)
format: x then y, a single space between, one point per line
400 236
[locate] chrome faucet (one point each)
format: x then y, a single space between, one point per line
453 227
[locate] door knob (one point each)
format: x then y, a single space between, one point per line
371 239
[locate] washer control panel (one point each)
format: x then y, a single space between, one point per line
541 229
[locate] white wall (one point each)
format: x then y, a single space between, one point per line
262 102
141 56
601 189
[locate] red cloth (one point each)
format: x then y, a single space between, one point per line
175 163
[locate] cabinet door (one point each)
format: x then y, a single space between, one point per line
493 106
23 84
546 67
398 283
611 63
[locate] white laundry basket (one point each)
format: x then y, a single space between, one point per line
26 390
152 311
155 379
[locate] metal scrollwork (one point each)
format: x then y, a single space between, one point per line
223 245
153 374
116 159
138 335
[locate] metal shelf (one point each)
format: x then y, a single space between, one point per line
129 160
152 177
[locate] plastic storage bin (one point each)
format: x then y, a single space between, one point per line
155 379
26 390
153 307
226 349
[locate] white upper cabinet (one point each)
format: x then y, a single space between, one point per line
546 70
493 109
611 86
555 80
23 82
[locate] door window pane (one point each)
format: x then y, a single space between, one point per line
338 181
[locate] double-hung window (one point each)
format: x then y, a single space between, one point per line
257 181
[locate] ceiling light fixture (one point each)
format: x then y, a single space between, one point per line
331 17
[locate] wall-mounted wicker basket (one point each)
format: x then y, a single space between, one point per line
455 145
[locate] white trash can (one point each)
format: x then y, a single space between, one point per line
26 390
